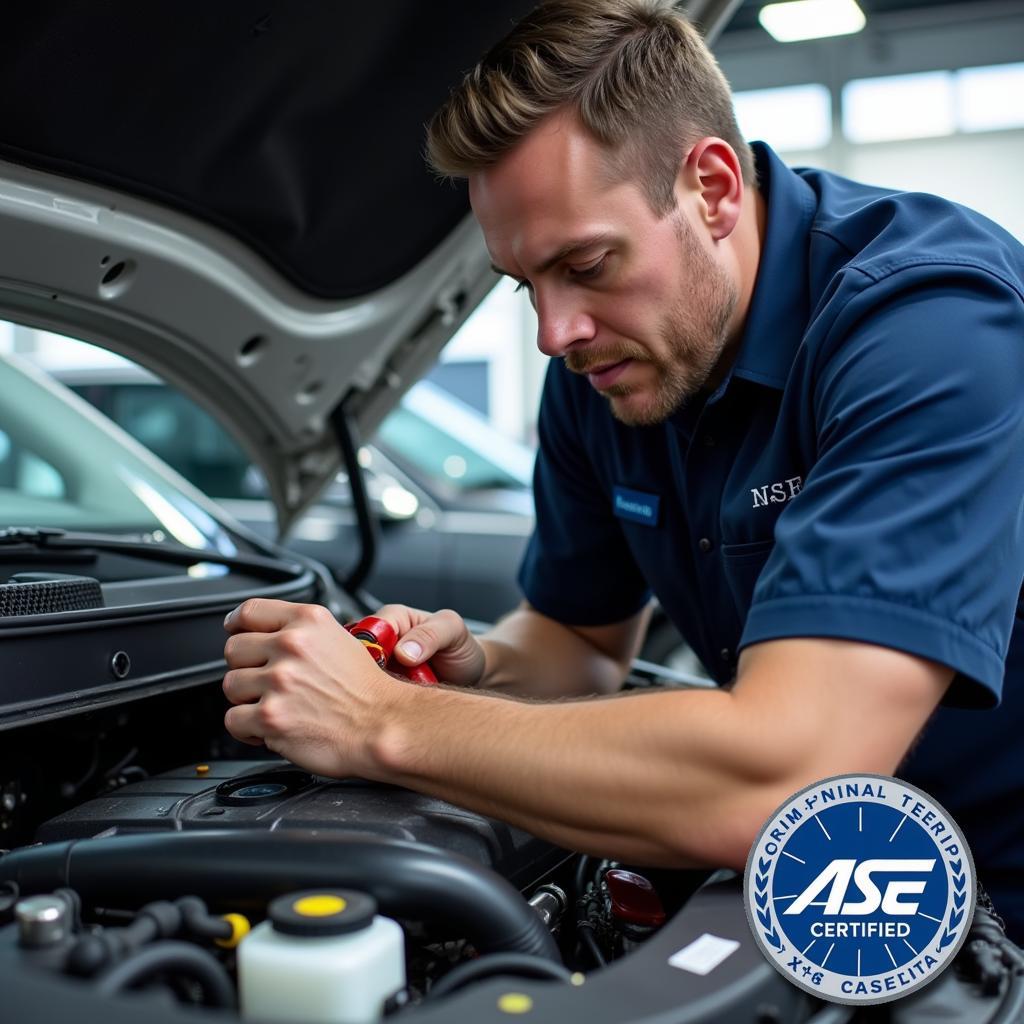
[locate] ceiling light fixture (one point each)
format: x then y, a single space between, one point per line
797 20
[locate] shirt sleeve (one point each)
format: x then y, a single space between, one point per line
577 568
908 530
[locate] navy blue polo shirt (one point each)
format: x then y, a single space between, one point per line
858 474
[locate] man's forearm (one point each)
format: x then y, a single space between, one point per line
671 777
620 777
530 655
667 778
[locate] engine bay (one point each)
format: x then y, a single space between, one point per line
149 862
134 882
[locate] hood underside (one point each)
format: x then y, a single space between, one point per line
235 197
296 126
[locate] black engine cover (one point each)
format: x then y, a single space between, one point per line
277 795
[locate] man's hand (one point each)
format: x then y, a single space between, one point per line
303 686
442 638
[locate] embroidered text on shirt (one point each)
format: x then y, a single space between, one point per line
774 494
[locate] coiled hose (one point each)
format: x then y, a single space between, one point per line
177 958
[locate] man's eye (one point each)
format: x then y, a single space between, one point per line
588 273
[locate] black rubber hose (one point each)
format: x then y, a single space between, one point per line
518 965
243 871
582 870
587 937
174 958
94 951
197 920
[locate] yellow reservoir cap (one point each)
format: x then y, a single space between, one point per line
322 913
319 906
240 927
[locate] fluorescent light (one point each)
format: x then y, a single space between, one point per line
811 19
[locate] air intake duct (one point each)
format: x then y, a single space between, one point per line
243 872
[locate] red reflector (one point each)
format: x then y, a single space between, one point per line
634 899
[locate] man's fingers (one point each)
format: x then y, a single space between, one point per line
439 637
263 615
401 616
243 685
242 722
247 650
442 631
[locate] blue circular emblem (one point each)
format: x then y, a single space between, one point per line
860 889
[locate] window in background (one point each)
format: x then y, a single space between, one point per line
466 379
990 99
899 107
934 103
791 118
446 459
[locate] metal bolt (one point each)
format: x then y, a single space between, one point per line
550 903
120 665
42 921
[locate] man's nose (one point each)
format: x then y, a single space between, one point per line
561 325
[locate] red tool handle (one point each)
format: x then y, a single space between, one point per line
374 632
379 638
423 675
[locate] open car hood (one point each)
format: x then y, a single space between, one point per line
236 198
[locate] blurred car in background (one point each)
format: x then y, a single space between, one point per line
451 494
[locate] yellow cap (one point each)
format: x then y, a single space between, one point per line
202 769
515 1002
322 912
319 906
239 929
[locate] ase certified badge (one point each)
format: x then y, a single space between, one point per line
860 889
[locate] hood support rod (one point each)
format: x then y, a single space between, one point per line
345 430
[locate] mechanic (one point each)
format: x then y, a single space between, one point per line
788 405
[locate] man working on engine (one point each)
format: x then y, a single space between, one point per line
790 406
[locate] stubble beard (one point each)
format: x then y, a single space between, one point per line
694 337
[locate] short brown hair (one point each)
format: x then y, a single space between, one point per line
636 73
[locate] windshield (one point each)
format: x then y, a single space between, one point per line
452 444
64 465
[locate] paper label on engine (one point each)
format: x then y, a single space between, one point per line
703 955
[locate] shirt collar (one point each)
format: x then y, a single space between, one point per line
778 311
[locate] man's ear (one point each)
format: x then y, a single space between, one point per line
712 174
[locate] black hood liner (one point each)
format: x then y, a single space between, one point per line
295 125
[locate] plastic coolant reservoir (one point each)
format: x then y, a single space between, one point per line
321 957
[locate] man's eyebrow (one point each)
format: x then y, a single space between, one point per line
569 249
